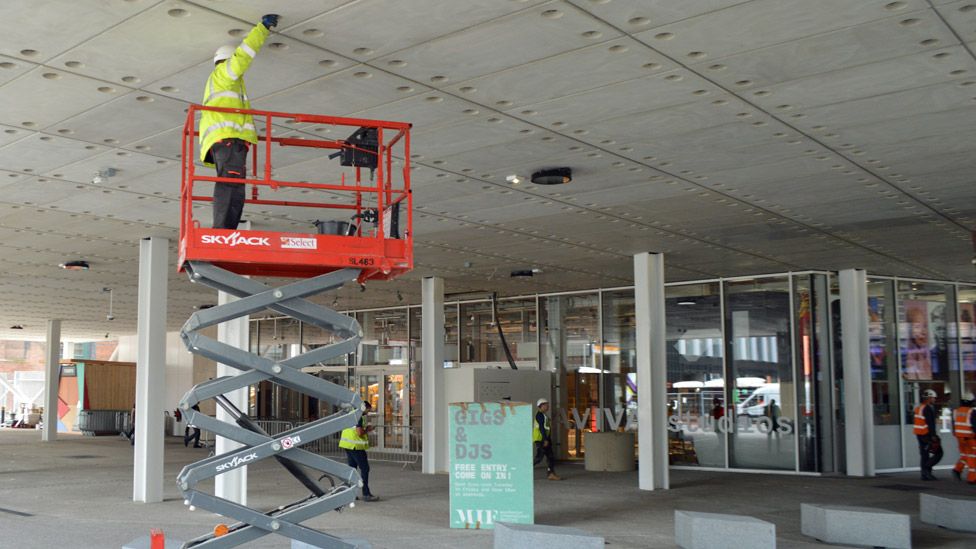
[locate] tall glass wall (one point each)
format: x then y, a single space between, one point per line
482 330
570 346
698 428
753 365
921 337
619 359
967 336
763 390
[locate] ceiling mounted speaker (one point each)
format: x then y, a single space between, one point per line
553 176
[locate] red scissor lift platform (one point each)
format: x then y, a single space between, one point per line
378 200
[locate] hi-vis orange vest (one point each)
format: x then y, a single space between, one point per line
921 427
962 422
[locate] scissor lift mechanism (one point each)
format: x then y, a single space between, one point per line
325 262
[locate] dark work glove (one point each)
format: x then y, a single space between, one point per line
269 21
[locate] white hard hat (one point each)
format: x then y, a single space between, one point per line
224 52
540 402
929 393
968 395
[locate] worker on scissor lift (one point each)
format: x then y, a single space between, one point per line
224 137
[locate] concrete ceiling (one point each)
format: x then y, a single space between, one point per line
736 136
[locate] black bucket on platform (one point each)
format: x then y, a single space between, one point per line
340 228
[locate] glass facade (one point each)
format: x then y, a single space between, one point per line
920 337
753 365
696 375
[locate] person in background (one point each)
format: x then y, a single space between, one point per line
773 412
929 444
542 437
964 428
718 411
132 426
224 136
354 441
195 437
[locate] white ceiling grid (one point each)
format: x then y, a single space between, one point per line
736 136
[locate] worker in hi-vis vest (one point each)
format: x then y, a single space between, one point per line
225 137
355 442
964 427
929 444
542 437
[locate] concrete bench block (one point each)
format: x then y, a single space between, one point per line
694 530
952 512
856 525
609 451
541 536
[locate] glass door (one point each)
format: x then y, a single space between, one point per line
393 410
924 313
758 317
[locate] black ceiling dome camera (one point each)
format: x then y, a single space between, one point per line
553 176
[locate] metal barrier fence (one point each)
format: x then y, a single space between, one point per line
391 443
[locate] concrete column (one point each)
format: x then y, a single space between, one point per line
652 367
147 485
858 412
435 408
231 485
52 373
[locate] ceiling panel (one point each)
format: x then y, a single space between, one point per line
76 21
848 47
161 40
735 136
43 96
637 15
526 36
761 23
403 24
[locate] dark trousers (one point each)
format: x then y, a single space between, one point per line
230 158
543 450
359 460
929 455
195 437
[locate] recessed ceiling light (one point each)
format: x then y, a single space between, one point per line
77 265
513 179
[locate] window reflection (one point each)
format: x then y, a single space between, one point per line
758 316
967 335
571 344
479 332
696 395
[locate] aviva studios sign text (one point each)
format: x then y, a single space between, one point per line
491 463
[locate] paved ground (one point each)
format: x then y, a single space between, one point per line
76 493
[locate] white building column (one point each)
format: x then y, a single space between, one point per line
147 484
652 406
236 333
435 456
52 374
858 412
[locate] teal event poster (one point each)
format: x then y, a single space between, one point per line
491 463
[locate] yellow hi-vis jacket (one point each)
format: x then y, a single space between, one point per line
537 433
351 440
225 89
